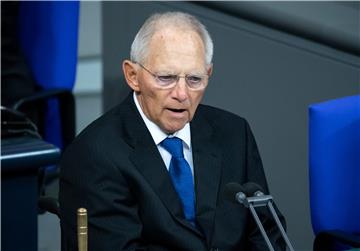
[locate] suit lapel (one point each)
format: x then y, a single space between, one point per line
149 163
207 169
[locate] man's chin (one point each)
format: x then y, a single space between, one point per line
170 129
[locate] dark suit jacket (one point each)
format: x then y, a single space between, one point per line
114 169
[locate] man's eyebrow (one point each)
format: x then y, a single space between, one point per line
168 72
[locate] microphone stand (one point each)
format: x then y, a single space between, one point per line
278 223
261 227
261 200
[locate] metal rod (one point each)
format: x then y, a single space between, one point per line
262 230
282 230
82 229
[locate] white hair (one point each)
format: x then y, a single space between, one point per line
155 22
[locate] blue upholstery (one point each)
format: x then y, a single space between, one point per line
48 33
334 165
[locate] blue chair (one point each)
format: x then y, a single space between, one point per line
48 35
334 171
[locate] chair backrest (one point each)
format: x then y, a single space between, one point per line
48 34
334 164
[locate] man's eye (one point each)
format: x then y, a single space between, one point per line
167 78
194 79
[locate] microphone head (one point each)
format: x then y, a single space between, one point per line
252 189
231 189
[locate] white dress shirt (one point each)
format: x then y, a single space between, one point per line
158 136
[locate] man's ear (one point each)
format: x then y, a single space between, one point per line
130 74
210 69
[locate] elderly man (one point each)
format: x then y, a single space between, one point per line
152 171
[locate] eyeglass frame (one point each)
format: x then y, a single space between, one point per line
176 80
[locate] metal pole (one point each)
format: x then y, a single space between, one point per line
262 230
286 238
82 230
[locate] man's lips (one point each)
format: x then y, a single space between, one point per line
176 110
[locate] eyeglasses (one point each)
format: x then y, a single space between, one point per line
167 81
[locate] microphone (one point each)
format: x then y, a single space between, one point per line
252 189
251 195
234 193
244 194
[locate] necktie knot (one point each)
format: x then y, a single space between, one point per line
174 146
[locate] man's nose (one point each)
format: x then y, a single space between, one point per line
180 90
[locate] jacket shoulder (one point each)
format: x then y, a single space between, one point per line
110 128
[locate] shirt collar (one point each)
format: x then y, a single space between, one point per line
157 134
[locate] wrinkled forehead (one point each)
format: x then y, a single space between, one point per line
176 46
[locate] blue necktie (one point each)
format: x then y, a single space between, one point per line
181 176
